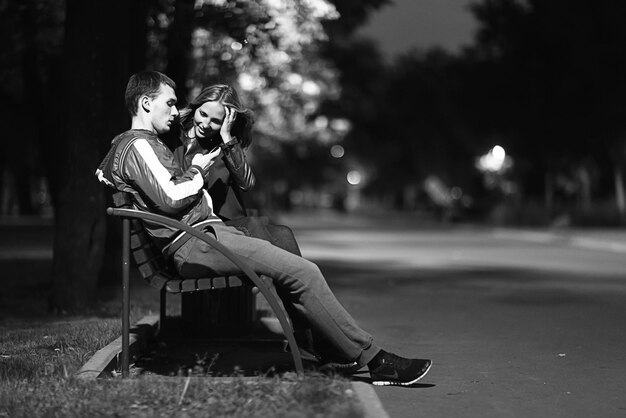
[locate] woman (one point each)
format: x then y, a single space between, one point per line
216 118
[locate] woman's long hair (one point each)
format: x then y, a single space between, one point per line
227 96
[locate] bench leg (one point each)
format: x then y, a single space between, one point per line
125 295
162 310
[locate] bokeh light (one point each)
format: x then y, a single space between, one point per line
337 151
494 161
354 177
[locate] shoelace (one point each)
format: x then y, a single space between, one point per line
394 360
400 361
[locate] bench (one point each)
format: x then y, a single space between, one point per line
156 271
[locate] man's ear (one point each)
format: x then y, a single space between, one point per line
145 103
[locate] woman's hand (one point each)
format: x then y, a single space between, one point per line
206 160
227 125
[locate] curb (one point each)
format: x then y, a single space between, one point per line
372 406
569 238
106 359
599 244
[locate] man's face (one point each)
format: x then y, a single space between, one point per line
163 109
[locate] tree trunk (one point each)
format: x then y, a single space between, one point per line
179 46
620 198
93 64
549 193
584 180
127 48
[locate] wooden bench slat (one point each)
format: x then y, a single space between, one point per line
219 282
149 269
205 283
159 280
188 285
136 225
173 286
234 281
142 255
138 240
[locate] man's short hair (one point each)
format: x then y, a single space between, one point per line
144 83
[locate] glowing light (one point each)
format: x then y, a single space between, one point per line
294 79
247 81
337 151
311 88
236 46
217 3
341 125
354 177
498 153
277 58
321 122
495 160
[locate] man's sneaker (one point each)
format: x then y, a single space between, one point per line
387 369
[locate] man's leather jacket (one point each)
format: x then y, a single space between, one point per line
141 164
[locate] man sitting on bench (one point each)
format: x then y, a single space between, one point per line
141 164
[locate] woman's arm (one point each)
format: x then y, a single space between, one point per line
234 155
235 160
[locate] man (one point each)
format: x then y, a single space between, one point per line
139 163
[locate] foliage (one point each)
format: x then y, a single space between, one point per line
268 49
31 41
362 76
31 34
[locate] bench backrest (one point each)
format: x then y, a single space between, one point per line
150 262
156 270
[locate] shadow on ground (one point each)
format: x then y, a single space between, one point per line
176 353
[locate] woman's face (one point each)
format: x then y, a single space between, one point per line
208 119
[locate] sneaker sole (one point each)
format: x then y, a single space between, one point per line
396 383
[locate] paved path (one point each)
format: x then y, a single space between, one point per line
519 323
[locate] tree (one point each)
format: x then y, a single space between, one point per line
97 59
270 50
406 117
363 78
31 41
558 79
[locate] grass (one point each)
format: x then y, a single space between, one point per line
286 396
51 350
38 359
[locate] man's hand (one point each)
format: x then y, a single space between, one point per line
227 125
205 161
